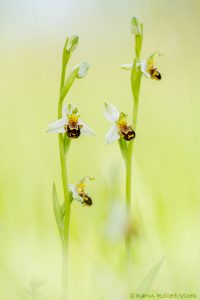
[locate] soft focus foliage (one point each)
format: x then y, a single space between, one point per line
166 155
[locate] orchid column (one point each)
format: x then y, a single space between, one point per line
69 126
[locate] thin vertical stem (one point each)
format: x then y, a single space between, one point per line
135 85
128 196
65 241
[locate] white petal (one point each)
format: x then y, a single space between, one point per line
59 130
76 196
127 67
72 187
80 122
86 130
111 113
112 134
57 126
64 111
143 66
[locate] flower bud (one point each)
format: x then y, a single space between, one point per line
82 69
136 26
137 30
72 43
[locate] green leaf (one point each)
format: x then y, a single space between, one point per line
62 209
148 280
57 211
136 75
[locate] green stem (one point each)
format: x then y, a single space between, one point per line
135 85
65 188
65 59
65 240
128 195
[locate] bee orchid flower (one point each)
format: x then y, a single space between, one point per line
147 67
78 192
120 128
71 124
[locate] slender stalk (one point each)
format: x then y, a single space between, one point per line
129 176
62 211
129 184
62 80
65 240
135 85
128 196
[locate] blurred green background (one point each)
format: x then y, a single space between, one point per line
166 155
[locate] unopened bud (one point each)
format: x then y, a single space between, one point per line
72 43
82 69
136 26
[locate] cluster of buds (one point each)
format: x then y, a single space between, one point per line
70 45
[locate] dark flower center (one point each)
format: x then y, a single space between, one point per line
86 199
128 133
155 74
73 132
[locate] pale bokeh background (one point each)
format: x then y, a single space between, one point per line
166 157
